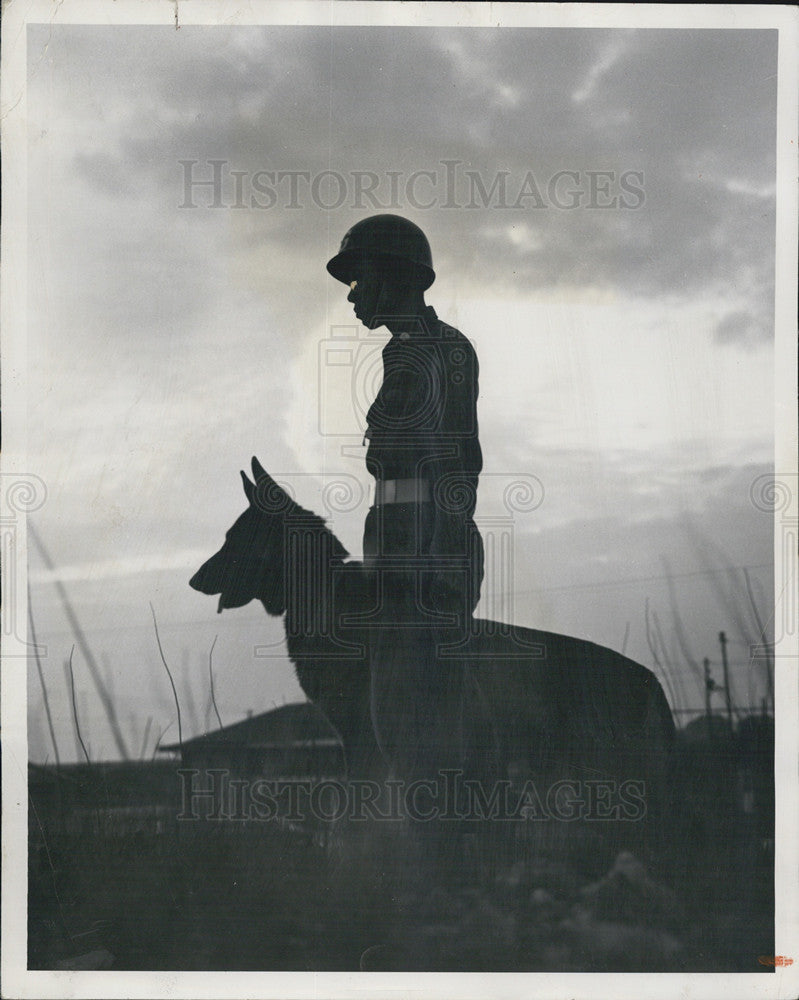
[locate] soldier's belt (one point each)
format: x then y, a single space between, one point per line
402 491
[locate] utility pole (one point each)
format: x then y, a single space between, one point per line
727 694
709 685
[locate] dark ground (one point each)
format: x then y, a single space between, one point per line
156 894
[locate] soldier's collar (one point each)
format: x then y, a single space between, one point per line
426 326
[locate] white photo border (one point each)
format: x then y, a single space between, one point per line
17 980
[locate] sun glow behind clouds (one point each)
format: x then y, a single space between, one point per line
556 374
602 375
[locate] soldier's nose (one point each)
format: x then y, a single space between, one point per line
351 296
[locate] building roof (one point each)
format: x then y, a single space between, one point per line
699 729
297 724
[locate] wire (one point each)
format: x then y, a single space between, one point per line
632 579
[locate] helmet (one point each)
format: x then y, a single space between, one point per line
389 240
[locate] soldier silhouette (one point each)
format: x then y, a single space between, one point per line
421 545
423 447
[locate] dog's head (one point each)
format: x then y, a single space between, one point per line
251 565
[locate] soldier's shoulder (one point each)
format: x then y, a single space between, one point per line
451 334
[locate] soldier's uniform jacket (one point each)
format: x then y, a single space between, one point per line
423 425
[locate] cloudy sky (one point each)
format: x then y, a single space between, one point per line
601 208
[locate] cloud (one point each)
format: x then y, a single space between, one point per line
106 173
691 112
742 327
609 55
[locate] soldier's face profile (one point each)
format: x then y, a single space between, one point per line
371 295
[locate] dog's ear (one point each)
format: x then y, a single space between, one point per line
249 488
258 471
271 497
268 496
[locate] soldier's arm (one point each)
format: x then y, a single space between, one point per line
454 469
